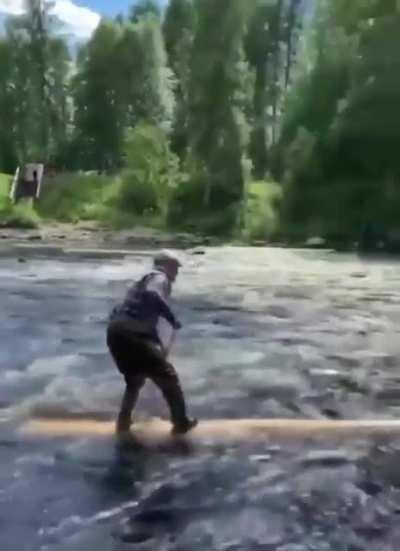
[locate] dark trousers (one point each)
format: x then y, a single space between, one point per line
139 359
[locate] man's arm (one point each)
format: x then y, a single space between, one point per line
165 311
160 288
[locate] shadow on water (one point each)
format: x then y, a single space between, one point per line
134 463
133 469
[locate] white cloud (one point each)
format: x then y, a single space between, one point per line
80 21
13 7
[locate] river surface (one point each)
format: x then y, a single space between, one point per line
267 333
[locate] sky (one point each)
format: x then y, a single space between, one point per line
80 16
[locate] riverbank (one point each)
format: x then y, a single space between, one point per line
91 236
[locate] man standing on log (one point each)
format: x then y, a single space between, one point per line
136 346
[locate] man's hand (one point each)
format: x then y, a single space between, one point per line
177 325
167 348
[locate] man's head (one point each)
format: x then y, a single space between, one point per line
168 262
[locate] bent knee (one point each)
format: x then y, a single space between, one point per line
170 372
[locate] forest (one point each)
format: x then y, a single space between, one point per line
265 120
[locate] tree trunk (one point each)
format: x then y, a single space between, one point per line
39 46
292 16
275 70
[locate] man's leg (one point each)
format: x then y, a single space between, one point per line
166 379
131 394
125 355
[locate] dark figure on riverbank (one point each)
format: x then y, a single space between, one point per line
137 349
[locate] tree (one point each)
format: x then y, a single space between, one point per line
122 80
272 30
157 79
60 108
220 94
38 27
345 103
130 77
178 31
99 128
143 8
324 76
258 52
290 36
366 132
35 70
8 110
276 30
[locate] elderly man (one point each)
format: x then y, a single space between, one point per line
136 346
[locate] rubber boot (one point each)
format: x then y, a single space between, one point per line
185 427
174 397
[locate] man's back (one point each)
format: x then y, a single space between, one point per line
145 302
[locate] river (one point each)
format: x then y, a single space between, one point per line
267 333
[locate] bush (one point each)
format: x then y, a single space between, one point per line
152 171
187 212
22 215
337 209
186 203
71 198
261 211
115 202
136 195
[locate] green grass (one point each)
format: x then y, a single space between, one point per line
72 198
21 215
5 182
104 199
77 197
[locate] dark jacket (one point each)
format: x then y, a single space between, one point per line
144 303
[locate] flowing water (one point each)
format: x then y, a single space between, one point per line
267 333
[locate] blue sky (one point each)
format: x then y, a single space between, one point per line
108 7
81 17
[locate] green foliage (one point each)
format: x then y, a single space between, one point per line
34 68
5 182
338 150
187 211
137 194
98 131
122 78
218 124
152 172
186 203
143 190
143 8
157 78
22 215
71 198
191 107
178 30
261 219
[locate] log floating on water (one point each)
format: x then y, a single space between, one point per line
221 430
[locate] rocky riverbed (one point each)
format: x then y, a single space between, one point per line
267 333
